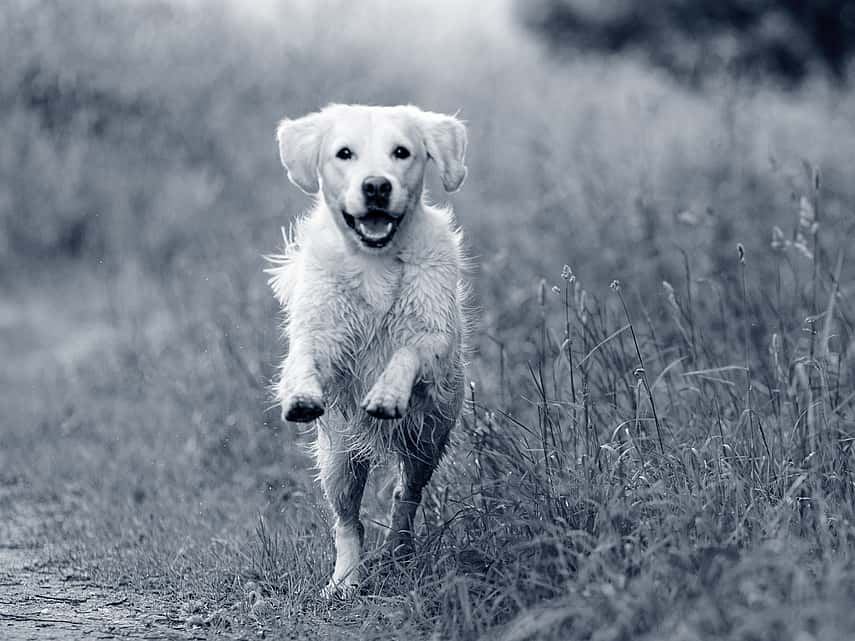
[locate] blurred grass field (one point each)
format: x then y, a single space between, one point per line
666 458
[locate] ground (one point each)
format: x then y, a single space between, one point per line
44 597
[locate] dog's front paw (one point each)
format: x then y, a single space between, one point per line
302 408
386 401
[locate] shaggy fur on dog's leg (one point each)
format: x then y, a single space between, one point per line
417 463
343 477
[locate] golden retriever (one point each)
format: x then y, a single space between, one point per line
370 282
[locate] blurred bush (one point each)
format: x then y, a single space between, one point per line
691 38
143 132
113 121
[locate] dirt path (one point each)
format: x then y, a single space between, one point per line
41 598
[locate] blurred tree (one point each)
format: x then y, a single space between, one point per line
786 39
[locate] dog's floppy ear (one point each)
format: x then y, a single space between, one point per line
445 141
299 149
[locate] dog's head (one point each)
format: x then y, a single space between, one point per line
369 163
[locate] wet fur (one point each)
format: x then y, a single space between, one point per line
375 304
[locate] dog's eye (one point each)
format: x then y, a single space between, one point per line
344 153
401 153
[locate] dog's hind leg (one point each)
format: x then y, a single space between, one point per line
419 451
343 475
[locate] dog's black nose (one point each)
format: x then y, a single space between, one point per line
376 190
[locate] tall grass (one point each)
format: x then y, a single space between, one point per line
670 468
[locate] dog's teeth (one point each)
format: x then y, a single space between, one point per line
375 234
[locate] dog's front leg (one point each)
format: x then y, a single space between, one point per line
299 389
314 346
390 395
421 358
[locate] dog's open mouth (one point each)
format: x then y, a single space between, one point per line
375 229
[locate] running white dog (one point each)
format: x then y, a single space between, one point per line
371 286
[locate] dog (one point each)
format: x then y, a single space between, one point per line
374 304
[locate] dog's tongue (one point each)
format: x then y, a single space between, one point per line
375 225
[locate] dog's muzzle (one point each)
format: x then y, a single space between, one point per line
375 228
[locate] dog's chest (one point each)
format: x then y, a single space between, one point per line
370 289
372 316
